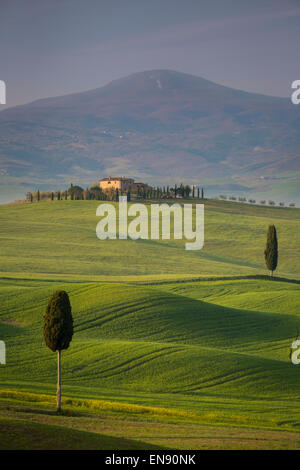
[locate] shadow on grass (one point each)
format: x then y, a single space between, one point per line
263 277
22 434
42 411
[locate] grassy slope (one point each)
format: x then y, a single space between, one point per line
115 431
219 350
151 343
58 238
28 435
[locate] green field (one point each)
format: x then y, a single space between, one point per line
172 348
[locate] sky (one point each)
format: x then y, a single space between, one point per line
55 47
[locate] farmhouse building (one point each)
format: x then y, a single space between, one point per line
121 183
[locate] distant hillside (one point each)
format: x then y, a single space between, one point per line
156 125
62 237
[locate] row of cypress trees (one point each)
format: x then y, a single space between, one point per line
95 192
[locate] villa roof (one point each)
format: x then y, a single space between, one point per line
116 178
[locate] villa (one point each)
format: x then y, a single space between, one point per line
121 183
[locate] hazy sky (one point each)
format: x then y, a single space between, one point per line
54 47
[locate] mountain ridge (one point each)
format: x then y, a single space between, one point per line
146 125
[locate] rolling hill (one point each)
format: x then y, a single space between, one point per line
58 240
145 125
164 340
173 355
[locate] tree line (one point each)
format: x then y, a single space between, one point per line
253 201
75 192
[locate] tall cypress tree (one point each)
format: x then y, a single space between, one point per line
271 251
58 330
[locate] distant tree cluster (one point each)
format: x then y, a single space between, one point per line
253 201
73 193
45 196
77 193
167 192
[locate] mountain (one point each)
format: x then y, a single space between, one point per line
158 125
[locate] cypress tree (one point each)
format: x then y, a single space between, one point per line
271 251
38 195
187 191
58 330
